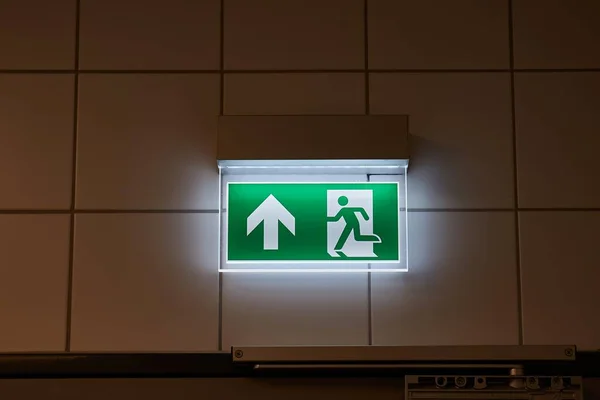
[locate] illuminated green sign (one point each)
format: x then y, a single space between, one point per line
312 222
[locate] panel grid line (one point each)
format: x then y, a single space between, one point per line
296 71
515 173
366 55
221 112
215 211
73 183
367 112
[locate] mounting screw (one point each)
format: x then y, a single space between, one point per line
533 383
460 381
557 383
238 354
568 352
480 383
441 381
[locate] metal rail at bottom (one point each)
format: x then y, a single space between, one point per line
446 372
451 372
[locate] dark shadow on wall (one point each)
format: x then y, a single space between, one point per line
206 389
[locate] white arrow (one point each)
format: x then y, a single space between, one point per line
271 212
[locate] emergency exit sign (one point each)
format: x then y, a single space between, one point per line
312 222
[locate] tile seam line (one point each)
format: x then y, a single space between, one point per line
367 100
221 112
216 211
517 241
73 199
292 71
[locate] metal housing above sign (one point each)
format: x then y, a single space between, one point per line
313 193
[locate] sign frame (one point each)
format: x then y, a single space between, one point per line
332 262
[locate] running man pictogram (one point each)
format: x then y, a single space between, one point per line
352 224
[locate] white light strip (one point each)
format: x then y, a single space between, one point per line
308 270
310 166
406 215
220 219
